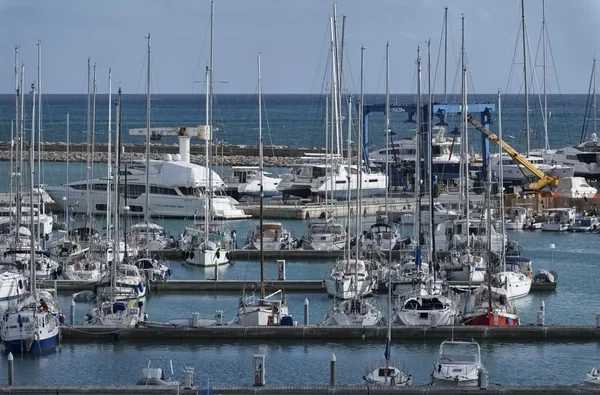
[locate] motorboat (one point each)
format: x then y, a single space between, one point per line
237 176
558 219
350 278
156 376
444 150
148 236
12 281
459 363
353 312
583 157
274 238
430 299
514 173
478 310
177 190
574 187
253 183
342 180
584 223
441 214
593 378
517 218
327 236
543 276
32 326
267 311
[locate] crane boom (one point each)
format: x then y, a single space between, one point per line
543 179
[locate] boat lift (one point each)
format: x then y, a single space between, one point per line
439 111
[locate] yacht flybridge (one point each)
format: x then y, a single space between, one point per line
177 189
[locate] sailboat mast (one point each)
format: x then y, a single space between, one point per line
348 177
546 142
31 220
206 153
594 92
93 144
418 159
327 149
261 171
334 100
68 205
445 54
147 195
465 139
387 126
109 159
525 75
338 91
501 186
88 197
359 162
18 146
39 120
211 102
430 157
117 238
22 142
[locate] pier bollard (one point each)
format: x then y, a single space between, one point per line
281 269
434 320
332 370
11 369
259 370
482 379
220 317
306 312
598 320
195 320
409 381
188 378
541 316
72 318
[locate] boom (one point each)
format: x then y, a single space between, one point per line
542 181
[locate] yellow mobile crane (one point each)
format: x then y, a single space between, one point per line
539 179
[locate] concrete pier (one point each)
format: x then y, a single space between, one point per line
165 332
199 286
294 390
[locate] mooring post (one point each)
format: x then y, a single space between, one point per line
11 369
72 318
541 315
306 312
332 370
598 320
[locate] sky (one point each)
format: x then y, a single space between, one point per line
293 37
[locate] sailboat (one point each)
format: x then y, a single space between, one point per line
110 309
268 309
33 324
210 247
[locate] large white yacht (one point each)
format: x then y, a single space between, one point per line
584 157
445 153
177 189
513 172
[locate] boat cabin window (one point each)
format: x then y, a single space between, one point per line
318 172
386 373
162 191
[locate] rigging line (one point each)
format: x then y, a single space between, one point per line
201 52
143 68
564 117
381 73
514 57
439 54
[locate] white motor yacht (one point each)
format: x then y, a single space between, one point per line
459 363
582 157
328 236
335 183
350 278
513 172
177 189
252 185
558 219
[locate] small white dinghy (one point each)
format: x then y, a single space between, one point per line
155 375
593 378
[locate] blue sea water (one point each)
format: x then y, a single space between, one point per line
298 120
292 119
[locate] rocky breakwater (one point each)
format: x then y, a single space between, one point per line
228 155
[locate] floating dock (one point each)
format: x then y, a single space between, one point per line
308 286
492 389
153 331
